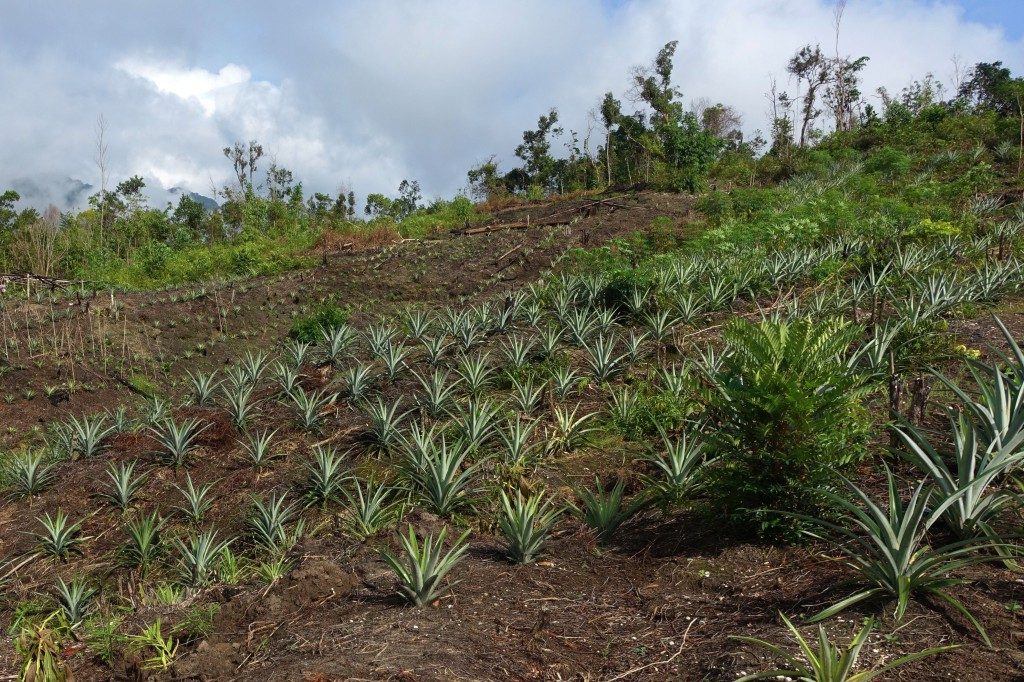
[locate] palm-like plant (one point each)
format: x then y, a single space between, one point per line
177 441
828 662
890 552
526 523
203 387
89 433
196 500
311 407
425 565
324 476
29 474
970 484
59 538
603 510
124 485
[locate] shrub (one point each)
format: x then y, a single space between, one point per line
325 316
790 415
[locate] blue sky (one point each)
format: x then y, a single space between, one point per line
360 94
1008 14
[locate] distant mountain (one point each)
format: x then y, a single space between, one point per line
208 203
43 191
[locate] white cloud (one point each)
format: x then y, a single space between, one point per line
366 93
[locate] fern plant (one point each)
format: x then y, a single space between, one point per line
791 416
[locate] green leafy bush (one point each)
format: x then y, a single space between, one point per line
790 417
327 316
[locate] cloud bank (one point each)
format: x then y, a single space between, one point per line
363 94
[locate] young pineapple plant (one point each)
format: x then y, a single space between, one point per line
890 551
475 373
678 468
526 523
384 424
198 558
203 388
196 500
28 474
336 343
371 508
177 441
568 431
75 599
394 357
425 565
288 377
604 511
296 352
475 424
89 434
436 348
254 364
124 485
517 452
258 449
969 491
564 381
324 476
379 337
144 542
417 324
268 524
829 662
311 407
240 404
517 351
358 381
59 537
604 362
443 482
438 393
527 394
